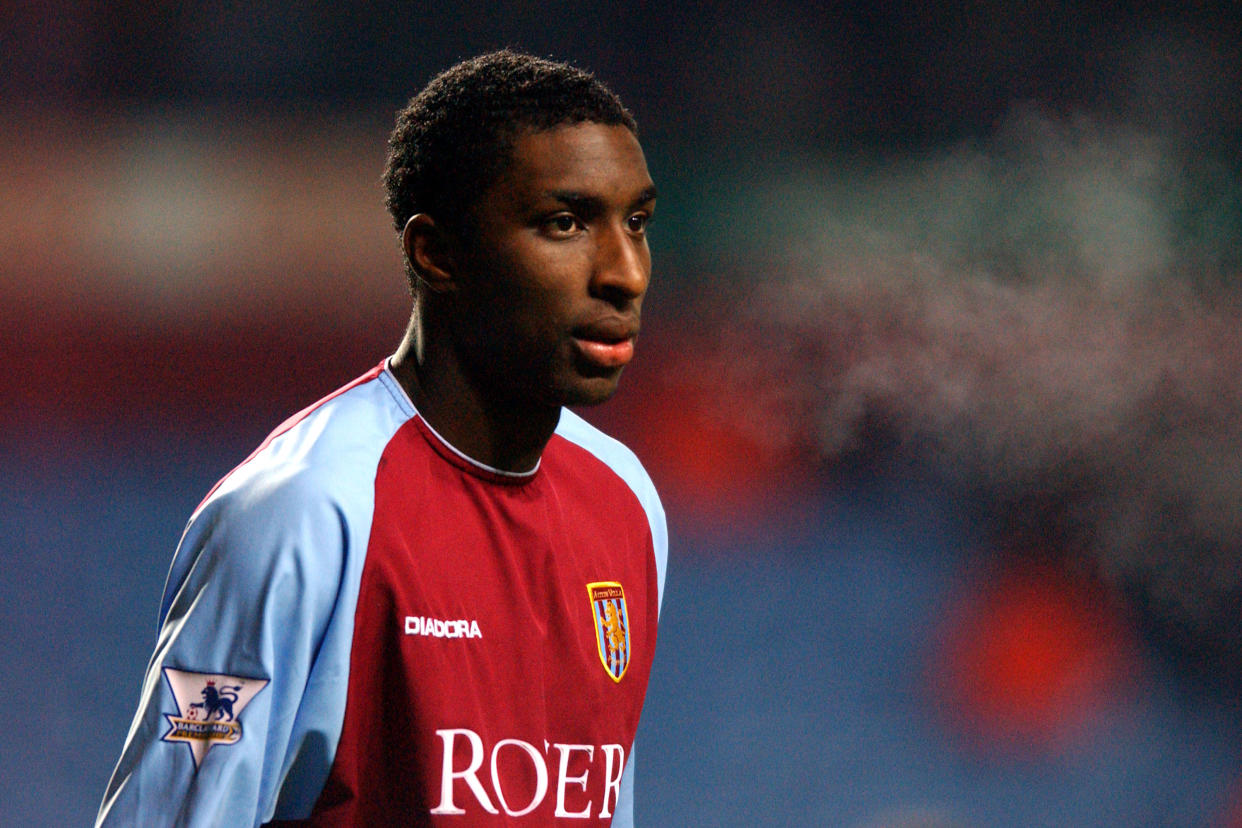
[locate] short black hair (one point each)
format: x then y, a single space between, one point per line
454 138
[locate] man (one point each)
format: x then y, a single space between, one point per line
432 597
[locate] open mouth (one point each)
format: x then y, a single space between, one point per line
606 354
607 343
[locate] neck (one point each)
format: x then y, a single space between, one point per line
475 419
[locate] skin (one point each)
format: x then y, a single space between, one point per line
539 307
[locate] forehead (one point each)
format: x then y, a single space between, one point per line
588 157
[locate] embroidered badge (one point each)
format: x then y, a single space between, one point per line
207 709
612 626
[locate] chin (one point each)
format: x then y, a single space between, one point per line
588 392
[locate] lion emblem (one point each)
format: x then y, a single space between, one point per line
216 703
616 633
612 626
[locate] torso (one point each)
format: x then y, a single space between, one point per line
484 681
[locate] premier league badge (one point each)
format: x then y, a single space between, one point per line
207 709
612 626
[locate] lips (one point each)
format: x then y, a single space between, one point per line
608 343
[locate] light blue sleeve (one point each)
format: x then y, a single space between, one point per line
259 606
623 815
627 466
255 585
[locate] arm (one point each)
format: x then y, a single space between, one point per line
252 587
623 815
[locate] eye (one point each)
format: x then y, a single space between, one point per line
637 223
562 224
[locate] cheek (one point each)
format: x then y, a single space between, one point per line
528 288
524 320
539 291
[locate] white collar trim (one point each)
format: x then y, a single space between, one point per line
512 475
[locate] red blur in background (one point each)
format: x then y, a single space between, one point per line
1028 655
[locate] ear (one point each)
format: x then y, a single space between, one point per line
429 251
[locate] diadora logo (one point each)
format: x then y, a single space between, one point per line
442 628
612 626
512 762
213 719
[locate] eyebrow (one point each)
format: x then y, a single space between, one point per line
646 195
589 205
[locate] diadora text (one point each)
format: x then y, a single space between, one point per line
441 628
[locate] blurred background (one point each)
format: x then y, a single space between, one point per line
940 376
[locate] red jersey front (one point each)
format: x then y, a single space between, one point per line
483 682
363 627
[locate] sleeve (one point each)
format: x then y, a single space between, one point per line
252 588
623 814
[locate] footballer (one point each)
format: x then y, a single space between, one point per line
431 598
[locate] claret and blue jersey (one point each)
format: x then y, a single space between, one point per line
362 626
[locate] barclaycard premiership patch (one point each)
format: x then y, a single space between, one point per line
612 626
208 707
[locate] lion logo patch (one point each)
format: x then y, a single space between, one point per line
208 706
612 626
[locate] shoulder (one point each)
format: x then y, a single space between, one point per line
327 451
608 450
623 463
302 500
358 418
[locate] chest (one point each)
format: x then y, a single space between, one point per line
514 611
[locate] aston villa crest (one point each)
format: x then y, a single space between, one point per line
207 709
612 626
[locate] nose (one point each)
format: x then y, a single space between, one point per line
622 266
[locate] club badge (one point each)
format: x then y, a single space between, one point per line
612 626
208 707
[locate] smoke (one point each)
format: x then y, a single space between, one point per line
1052 318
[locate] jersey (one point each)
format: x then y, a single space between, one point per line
363 626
